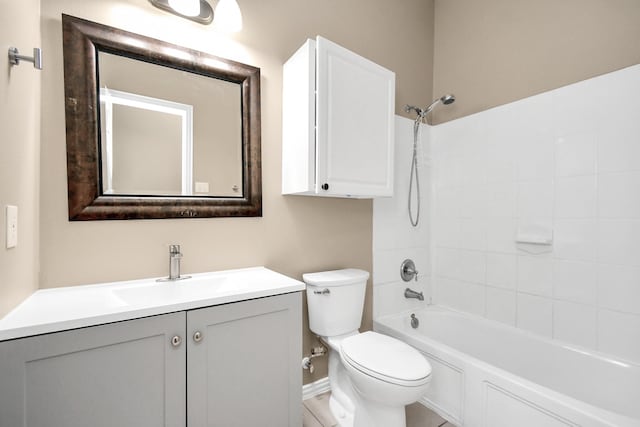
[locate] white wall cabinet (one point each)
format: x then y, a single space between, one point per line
338 123
237 364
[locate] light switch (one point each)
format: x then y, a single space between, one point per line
12 226
202 187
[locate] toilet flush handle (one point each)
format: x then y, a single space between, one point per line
325 291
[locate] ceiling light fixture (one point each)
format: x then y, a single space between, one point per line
186 7
196 10
228 16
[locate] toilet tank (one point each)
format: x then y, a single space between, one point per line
335 300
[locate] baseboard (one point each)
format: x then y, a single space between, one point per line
315 388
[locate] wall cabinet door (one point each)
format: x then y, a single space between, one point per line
244 366
118 374
338 123
354 123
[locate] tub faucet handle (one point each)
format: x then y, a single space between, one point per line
408 270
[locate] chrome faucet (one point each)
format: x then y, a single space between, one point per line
174 262
174 265
409 293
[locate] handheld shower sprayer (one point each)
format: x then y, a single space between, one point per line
421 116
423 112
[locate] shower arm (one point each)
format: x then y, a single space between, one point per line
421 113
431 106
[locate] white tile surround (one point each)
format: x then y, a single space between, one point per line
565 162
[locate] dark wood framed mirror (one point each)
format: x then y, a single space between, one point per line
118 164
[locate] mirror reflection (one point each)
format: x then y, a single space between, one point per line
161 137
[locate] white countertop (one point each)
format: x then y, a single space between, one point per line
58 309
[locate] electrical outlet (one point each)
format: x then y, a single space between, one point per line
12 226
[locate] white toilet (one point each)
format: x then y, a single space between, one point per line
372 376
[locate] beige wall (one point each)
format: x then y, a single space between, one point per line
492 52
296 234
19 150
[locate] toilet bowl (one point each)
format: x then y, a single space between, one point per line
372 376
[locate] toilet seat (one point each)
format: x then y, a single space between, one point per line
386 358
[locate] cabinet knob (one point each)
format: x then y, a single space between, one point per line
325 186
176 341
197 336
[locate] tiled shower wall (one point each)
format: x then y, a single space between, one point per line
563 165
394 239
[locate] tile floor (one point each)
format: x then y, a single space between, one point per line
316 413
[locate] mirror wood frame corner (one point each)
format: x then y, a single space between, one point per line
82 40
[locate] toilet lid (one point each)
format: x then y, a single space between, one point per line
347 276
386 358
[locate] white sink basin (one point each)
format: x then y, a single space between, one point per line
156 293
52 310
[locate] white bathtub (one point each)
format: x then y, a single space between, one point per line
490 375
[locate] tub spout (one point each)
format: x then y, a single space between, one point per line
409 293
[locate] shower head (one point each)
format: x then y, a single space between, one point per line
422 112
448 99
445 100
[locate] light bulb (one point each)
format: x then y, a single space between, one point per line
227 16
186 7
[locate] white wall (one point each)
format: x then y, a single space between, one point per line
568 161
394 239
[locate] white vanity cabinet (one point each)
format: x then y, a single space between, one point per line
119 374
245 368
338 123
236 364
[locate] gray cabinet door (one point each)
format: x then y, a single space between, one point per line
125 374
245 369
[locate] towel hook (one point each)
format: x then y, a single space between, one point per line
15 57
